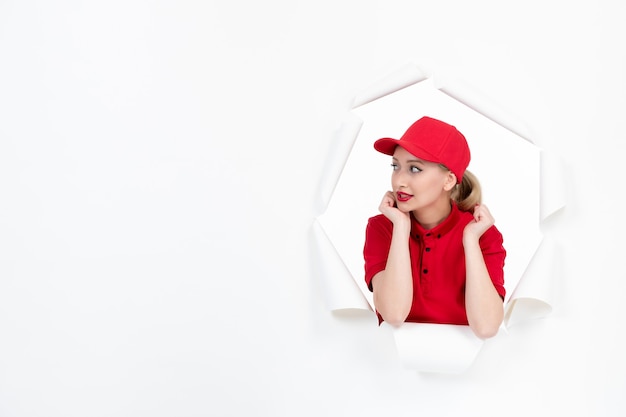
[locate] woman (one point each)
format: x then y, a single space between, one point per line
434 254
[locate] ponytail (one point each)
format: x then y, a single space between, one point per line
468 193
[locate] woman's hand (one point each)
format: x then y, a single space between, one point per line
389 209
483 220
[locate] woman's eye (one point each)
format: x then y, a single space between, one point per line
394 167
415 170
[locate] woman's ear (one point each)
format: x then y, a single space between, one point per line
450 181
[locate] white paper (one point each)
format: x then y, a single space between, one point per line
473 99
335 161
398 80
533 296
340 289
442 348
552 184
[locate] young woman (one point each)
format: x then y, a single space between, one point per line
434 254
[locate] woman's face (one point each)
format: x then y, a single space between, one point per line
419 184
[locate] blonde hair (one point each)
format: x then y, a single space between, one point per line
468 193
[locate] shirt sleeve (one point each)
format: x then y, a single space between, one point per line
376 249
491 244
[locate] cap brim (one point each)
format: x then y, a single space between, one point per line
386 145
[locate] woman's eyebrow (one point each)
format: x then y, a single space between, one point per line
409 160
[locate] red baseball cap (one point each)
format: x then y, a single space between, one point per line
432 140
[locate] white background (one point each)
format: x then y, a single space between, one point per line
159 164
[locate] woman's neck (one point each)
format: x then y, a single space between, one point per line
430 217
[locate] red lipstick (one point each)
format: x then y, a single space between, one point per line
402 197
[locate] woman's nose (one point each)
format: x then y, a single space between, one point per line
399 180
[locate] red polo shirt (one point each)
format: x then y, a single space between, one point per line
437 262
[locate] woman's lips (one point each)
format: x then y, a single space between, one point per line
403 196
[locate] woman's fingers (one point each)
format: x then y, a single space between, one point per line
482 214
483 220
389 209
387 201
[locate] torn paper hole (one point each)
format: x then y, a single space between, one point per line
510 167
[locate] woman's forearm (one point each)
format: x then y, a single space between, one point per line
483 304
393 287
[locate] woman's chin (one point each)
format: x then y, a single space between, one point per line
403 207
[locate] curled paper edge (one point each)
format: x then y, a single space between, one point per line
552 190
408 75
440 348
340 289
473 100
532 298
336 159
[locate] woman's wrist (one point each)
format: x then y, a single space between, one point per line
402 224
469 239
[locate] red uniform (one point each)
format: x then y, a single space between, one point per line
437 263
